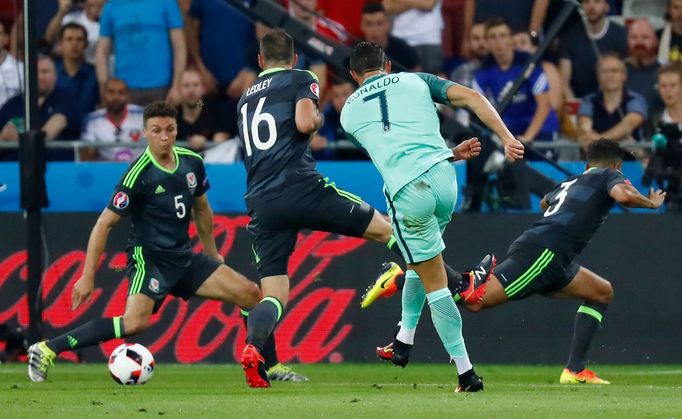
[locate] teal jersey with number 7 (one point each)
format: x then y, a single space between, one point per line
393 117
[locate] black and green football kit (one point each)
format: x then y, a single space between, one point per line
540 261
159 201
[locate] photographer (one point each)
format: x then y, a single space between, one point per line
665 165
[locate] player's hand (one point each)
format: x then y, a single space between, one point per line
514 150
467 149
657 197
82 290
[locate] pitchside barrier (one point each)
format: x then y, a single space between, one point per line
324 322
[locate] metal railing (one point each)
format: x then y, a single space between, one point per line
78 145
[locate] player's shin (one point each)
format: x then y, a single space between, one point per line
262 321
412 303
91 333
448 322
587 321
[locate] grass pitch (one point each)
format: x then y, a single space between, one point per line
344 390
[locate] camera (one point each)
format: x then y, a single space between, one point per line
665 166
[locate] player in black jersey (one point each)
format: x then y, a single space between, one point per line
540 261
285 193
161 190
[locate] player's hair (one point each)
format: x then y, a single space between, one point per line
159 109
367 56
277 46
73 25
496 21
604 151
671 68
373 7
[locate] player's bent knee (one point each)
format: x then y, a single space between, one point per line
249 296
135 324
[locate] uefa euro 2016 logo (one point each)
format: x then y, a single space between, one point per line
121 200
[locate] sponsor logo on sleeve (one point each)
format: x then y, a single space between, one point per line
120 200
191 181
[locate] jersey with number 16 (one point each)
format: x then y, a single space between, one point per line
276 153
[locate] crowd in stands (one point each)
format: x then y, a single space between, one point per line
612 70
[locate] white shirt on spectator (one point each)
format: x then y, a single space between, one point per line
92 26
420 27
99 129
11 78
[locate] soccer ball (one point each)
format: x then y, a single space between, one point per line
131 364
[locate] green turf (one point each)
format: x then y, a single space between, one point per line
346 390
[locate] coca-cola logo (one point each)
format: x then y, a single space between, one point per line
311 330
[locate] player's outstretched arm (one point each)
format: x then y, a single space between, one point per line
82 289
463 96
628 196
308 118
203 217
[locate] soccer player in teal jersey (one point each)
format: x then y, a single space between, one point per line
393 117
161 191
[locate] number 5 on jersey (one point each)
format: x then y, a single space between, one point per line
258 118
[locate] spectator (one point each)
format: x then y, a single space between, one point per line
670 46
420 24
518 13
523 41
578 58
201 120
11 71
670 89
87 15
612 111
76 77
119 122
52 104
209 24
331 132
478 50
641 64
376 28
149 46
529 116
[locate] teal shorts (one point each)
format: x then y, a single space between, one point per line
420 211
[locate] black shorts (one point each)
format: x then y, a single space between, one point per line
156 275
530 269
319 206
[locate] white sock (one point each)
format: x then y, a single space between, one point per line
463 364
406 335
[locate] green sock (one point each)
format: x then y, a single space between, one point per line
448 322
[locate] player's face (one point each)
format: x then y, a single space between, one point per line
375 27
479 48
191 89
47 77
115 96
670 88
499 41
522 42
73 44
160 132
611 74
595 10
